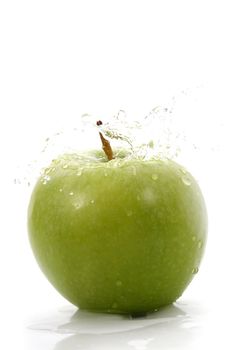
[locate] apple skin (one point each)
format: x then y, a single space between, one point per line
125 236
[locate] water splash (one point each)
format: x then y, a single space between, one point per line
163 132
145 138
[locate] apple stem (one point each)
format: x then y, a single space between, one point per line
105 144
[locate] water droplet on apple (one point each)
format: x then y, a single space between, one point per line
61 190
65 166
45 179
200 244
79 172
47 171
92 201
129 213
134 170
183 170
116 163
195 270
154 177
186 180
118 283
71 193
114 305
148 196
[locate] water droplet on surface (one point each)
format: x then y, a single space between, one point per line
118 283
65 166
154 177
60 190
195 270
129 213
186 180
92 201
71 193
200 244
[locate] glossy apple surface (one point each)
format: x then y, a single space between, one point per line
124 236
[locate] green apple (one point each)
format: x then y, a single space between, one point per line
119 236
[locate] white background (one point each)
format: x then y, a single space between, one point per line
60 59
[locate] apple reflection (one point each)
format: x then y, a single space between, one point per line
169 328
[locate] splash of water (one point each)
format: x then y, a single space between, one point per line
149 137
160 134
